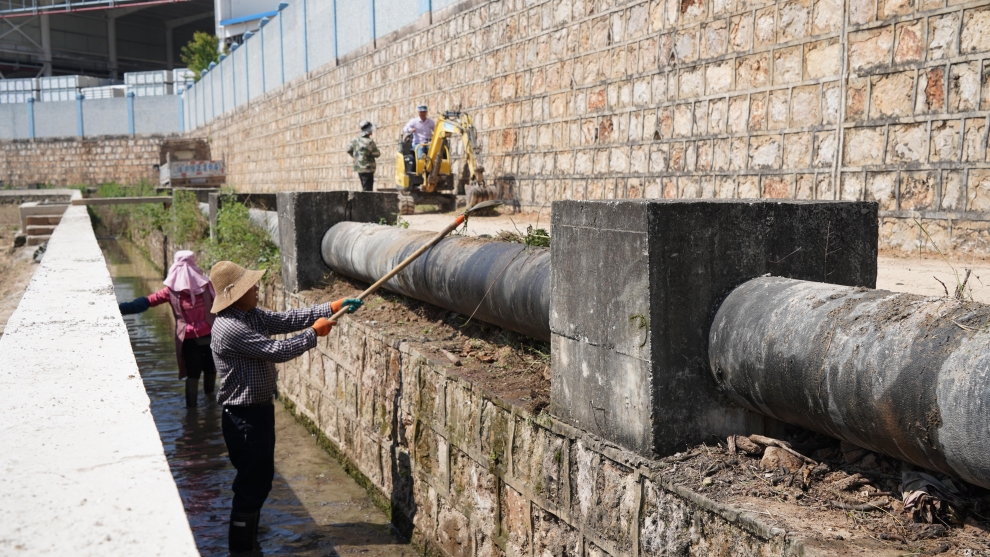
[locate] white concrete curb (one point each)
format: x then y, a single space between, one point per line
82 468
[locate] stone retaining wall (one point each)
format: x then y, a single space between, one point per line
466 474
598 99
77 161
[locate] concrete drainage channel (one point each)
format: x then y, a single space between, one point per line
84 472
314 508
639 373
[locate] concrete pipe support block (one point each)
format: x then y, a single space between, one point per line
635 285
303 218
374 207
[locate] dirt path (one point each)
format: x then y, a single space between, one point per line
917 274
476 226
16 265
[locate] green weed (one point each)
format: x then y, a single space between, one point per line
962 292
183 222
399 221
537 237
236 239
239 240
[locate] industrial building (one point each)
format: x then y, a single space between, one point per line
99 38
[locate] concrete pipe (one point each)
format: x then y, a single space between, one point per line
455 274
904 375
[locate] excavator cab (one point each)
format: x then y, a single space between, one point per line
411 164
423 171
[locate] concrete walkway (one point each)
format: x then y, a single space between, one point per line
82 470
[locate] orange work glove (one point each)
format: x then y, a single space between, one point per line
323 326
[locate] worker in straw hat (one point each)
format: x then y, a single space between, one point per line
245 358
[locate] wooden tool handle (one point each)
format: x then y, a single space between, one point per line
405 263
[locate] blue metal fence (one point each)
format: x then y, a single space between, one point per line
308 34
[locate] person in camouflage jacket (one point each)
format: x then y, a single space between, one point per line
364 151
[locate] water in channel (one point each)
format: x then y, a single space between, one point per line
314 509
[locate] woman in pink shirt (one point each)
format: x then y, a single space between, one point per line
189 292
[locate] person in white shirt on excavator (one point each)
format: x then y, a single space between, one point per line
421 129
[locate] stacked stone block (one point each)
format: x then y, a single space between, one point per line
77 161
600 99
466 474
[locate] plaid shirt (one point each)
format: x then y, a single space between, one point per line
245 355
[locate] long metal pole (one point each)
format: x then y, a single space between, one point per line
281 41
182 115
79 114
247 68
30 111
333 20
213 95
374 34
130 112
416 254
223 95
233 73
261 34
305 39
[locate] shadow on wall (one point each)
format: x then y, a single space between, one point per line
505 186
402 500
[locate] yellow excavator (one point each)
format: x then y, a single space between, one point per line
427 177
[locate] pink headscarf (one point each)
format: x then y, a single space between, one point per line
185 275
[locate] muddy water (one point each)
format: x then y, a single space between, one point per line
314 509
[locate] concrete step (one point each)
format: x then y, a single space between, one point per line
35 209
40 230
43 220
37 240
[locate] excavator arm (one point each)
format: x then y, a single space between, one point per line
445 127
469 137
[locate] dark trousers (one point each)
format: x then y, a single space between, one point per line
249 432
367 180
199 359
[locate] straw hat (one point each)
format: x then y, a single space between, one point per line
231 281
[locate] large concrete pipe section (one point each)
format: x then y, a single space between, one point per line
900 374
507 283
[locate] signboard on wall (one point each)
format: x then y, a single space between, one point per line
192 172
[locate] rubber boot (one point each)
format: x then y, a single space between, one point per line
209 381
243 536
192 390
